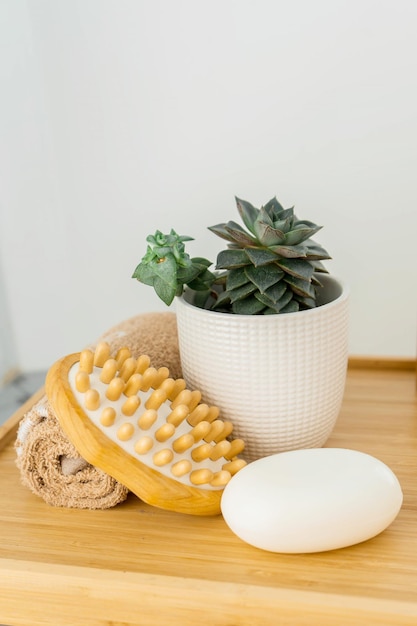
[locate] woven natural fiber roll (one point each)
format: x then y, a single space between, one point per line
52 468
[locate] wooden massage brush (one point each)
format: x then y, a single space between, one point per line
145 429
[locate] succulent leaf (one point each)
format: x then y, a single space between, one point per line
263 277
307 303
198 260
283 225
265 216
236 278
248 306
300 287
318 266
270 304
292 307
229 259
290 252
247 212
165 281
165 289
276 292
238 234
260 256
276 305
187 274
144 274
315 252
315 281
268 235
222 300
298 235
297 267
274 206
220 231
242 292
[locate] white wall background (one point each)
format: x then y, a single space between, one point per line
121 117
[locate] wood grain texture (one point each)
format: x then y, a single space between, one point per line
386 363
137 564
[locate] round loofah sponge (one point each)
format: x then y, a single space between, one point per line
154 334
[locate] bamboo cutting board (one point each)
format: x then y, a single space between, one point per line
136 564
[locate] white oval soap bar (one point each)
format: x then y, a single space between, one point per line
311 500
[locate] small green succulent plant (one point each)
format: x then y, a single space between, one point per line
269 268
167 267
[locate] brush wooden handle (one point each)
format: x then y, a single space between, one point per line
151 484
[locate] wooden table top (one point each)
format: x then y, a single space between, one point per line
135 564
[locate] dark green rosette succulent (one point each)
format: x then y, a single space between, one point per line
272 268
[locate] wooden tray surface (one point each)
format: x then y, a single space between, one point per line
136 564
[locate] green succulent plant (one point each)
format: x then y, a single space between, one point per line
269 268
167 267
272 268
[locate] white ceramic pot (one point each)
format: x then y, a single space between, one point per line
278 378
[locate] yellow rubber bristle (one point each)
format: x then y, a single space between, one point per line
131 405
179 386
115 389
201 476
198 414
202 452
147 419
183 443
237 446
220 479
195 399
167 385
125 431
128 368
226 432
133 385
220 449
92 399
234 466
121 356
215 431
142 364
181 468
184 397
164 432
108 371
163 373
178 415
82 382
144 444
163 457
86 361
213 414
148 378
101 353
200 431
108 416
157 397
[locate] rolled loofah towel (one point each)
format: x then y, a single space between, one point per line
52 468
49 464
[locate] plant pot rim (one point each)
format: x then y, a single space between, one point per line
325 278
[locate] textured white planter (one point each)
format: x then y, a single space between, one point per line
279 378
